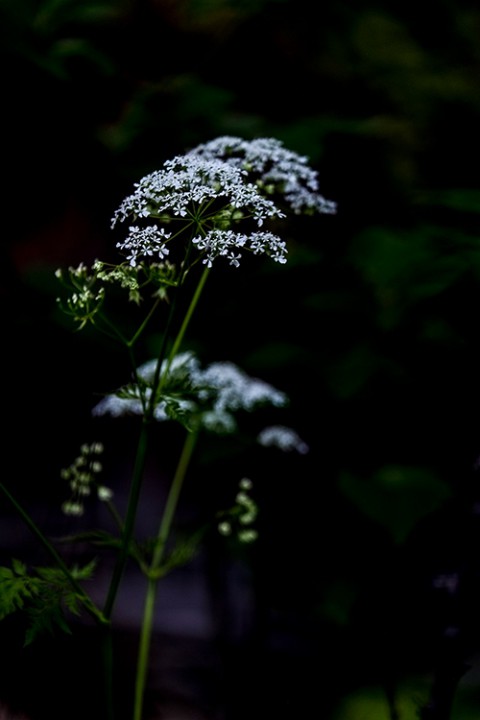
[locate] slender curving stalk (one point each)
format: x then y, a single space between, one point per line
132 505
88 603
188 316
106 640
159 379
153 576
144 324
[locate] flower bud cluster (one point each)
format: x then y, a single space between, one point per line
86 286
238 519
85 299
81 476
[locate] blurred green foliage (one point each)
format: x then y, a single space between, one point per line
396 496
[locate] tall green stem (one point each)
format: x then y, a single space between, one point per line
167 517
133 499
149 608
188 316
135 486
107 657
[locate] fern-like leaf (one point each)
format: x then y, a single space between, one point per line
44 595
16 588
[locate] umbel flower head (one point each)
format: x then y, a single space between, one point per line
206 196
274 169
198 397
222 193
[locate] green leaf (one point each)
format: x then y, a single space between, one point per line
44 617
15 589
19 568
43 595
176 411
461 199
85 572
95 537
183 551
405 267
396 496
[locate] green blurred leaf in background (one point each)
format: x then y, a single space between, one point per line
396 496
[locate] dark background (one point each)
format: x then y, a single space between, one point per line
371 327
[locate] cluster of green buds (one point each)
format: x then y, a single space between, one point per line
238 520
85 299
134 278
81 476
86 286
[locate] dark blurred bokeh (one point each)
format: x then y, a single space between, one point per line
363 589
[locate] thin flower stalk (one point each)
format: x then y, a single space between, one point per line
153 575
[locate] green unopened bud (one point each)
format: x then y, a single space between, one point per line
72 508
247 536
104 493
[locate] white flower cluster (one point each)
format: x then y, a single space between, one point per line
283 438
145 242
186 188
214 187
208 397
275 168
188 182
223 243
